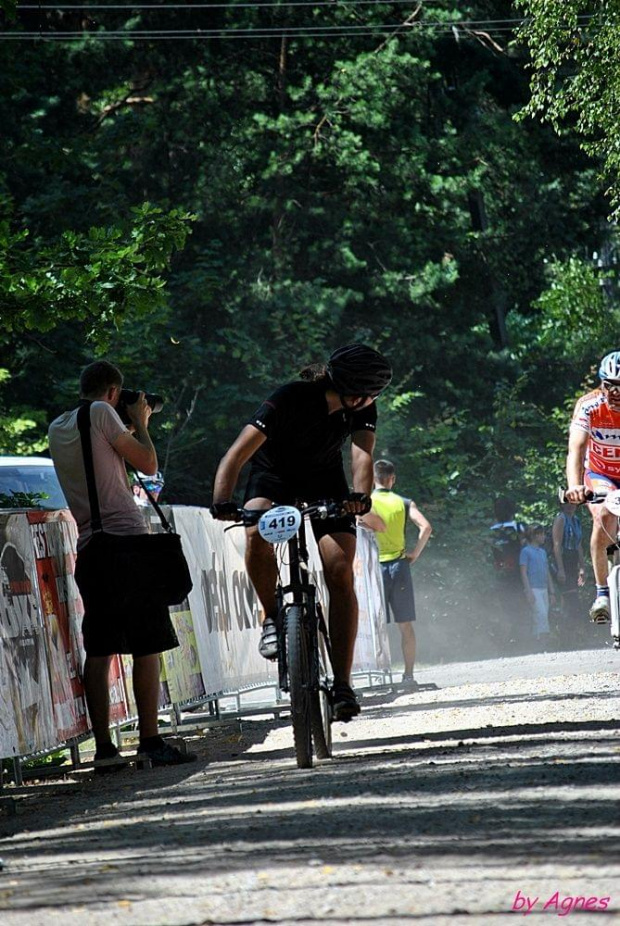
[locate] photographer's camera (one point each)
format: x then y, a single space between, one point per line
131 396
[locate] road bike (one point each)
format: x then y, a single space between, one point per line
304 651
611 500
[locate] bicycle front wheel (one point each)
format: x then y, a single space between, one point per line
320 705
299 663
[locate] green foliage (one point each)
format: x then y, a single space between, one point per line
17 425
22 499
98 276
9 7
575 77
370 187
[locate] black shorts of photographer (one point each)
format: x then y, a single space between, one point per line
138 628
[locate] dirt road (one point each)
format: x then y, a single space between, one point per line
494 795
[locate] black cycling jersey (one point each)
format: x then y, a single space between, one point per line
303 439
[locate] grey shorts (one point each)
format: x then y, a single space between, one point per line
398 589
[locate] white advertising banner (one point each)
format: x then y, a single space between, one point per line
27 721
223 604
41 695
225 609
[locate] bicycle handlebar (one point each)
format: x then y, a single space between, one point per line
248 517
594 498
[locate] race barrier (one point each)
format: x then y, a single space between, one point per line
42 702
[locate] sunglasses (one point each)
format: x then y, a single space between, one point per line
611 384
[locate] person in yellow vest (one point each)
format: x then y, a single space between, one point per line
395 511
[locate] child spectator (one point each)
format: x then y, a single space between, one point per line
536 579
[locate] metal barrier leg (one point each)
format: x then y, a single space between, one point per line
118 736
17 771
74 749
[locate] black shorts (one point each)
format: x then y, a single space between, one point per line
329 485
140 629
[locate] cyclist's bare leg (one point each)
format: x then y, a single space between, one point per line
337 553
260 561
603 533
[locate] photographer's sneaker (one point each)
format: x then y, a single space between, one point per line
108 759
409 682
599 612
162 753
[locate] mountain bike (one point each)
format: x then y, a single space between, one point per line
304 652
611 500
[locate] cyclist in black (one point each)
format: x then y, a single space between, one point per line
294 442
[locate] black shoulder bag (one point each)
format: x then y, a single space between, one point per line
143 566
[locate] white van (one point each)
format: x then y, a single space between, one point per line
31 476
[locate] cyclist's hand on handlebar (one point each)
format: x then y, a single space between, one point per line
577 495
225 511
357 503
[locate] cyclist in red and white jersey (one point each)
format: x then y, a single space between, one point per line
593 463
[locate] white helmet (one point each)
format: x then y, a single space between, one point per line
610 366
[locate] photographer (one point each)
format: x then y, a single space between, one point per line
144 630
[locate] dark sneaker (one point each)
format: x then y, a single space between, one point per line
409 682
108 759
344 702
268 645
164 754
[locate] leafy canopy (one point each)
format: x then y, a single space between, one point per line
574 47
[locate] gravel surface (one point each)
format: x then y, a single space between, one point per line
451 804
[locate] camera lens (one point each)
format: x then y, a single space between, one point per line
131 396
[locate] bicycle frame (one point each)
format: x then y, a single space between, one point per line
613 551
303 648
303 592
613 555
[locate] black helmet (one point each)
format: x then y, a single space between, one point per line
359 370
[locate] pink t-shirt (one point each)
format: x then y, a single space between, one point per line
119 512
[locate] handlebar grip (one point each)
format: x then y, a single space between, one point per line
590 496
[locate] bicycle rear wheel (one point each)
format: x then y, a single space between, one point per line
320 706
300 682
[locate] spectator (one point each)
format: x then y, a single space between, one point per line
394 511
537 583
143 631
141 482
569 560
507 538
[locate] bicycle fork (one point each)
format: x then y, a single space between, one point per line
614 605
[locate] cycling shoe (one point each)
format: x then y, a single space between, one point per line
344 702
268 644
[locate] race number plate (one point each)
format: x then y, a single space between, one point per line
279 524
612 502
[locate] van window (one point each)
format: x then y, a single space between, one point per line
17 481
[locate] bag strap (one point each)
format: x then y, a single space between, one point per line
83 423
165 523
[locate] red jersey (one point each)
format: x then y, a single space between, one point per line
594 416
